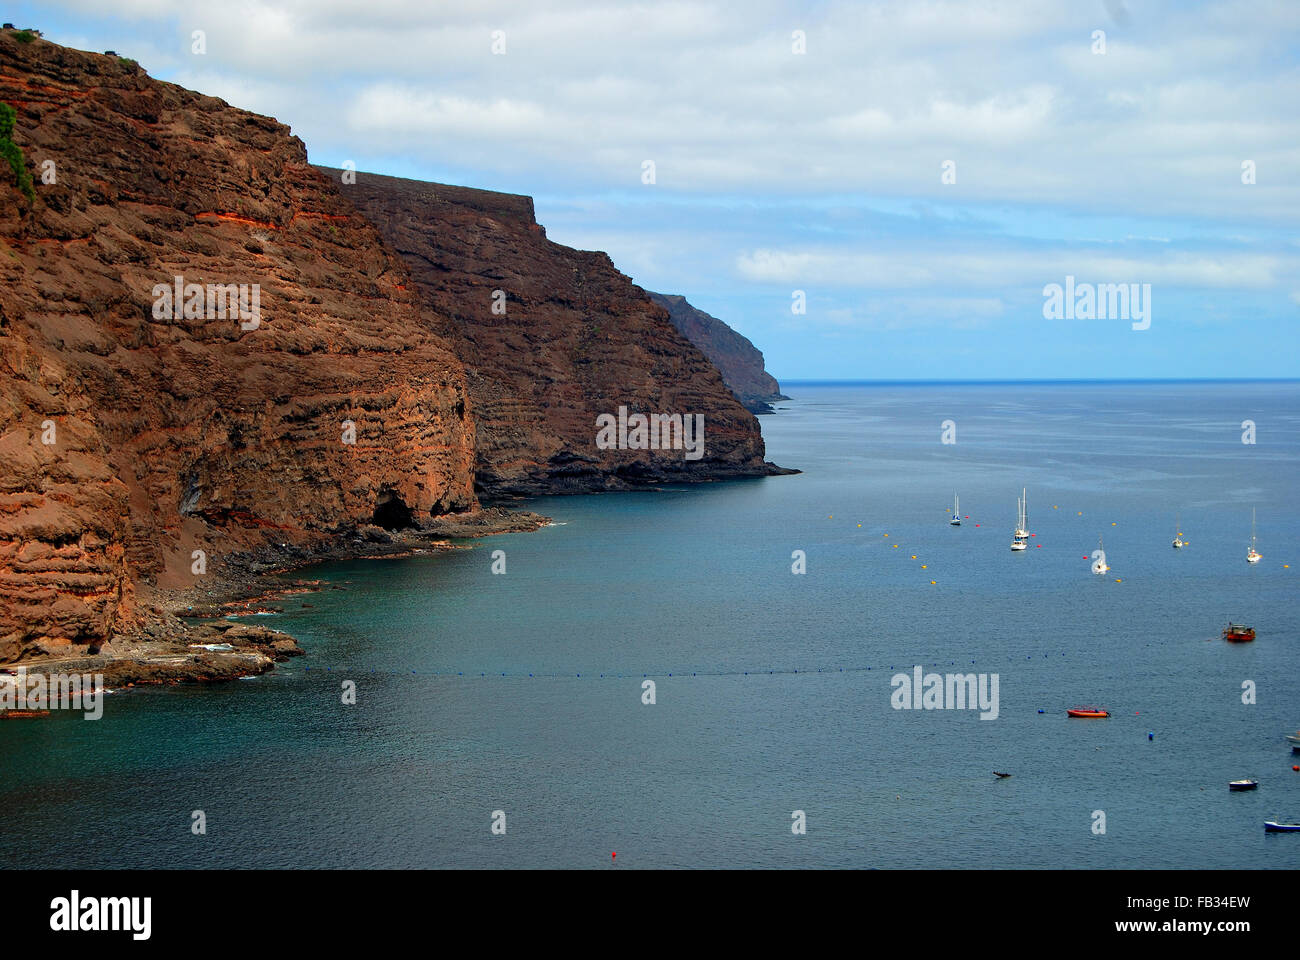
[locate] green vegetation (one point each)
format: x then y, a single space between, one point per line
24 36
127 62
12 153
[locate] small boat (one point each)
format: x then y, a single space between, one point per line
22 714
1001 776
1179 542
1020 539
1088 712
1253 555
1272 826
1238 633
956 514
1243 784
1099 559
1294 740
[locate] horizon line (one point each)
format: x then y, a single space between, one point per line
807 382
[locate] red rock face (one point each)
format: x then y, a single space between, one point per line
174 435
737 359
577 339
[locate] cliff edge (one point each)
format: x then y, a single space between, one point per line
737 359
553 338
143 441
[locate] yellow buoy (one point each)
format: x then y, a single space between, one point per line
859 524
932 581
913 556
1118 580
923 566
895 546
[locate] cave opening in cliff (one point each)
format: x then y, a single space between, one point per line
392 513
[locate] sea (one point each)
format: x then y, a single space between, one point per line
651 682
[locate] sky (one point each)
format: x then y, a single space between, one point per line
920 171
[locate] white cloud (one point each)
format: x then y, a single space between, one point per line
886 93
920 269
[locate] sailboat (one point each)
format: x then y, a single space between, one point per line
1099 564
1020 539
1253 555
1179 542
956 514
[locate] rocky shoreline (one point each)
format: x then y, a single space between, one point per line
187 637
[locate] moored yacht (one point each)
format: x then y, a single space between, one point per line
1253 555
1099 565
1020 539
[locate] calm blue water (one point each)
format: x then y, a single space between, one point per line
698 581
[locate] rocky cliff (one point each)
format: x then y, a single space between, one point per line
214 360
553 338
737 359
130 439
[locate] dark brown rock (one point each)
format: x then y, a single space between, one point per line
192 434
578 339
737 359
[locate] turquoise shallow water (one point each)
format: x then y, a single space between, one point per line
696 582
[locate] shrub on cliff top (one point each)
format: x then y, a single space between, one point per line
24 36
13 154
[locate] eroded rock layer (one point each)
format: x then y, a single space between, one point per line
128 441
737 359
571 338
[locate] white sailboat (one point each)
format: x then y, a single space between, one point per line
1253 555
956 513
1179 542
1099 565
1020 539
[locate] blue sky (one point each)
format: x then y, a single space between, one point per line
821 171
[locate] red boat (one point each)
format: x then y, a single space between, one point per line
1090 712
1238 633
